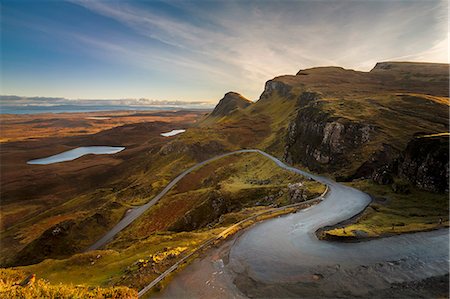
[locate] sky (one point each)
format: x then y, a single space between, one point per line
199 50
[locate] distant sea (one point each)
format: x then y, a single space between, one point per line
31 109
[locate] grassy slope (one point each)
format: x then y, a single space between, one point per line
42 289
412 212
148 239
133 188
261 125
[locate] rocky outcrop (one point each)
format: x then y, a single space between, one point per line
383 176
296 192
320 141
373 167
231 102
425 164
275 87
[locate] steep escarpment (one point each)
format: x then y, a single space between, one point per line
323 142
343 122
423 164
349 123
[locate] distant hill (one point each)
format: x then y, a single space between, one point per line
231 102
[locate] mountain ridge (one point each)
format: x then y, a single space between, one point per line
334 120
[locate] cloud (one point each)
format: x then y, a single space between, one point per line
19 101
221 45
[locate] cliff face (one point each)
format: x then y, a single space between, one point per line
275 87
347 123
424 163
350 123
321 141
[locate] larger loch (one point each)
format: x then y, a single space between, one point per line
77 153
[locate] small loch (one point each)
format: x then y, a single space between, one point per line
77 153
173 133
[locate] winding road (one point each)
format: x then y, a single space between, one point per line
134 213
282 257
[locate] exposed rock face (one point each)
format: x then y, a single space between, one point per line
380 158
273 87
296 192
318 140
231 102
306 98
425 163
383 176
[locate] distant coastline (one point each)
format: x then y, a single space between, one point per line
36 109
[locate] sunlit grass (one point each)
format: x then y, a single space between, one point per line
42 289
145 249
400 213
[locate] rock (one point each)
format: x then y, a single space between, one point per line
52 243
207 211
425 163
360 233
100 219
321 141
56 231
275 86
383 176
379 158
296 192
306 98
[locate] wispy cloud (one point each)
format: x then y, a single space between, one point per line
258 41
239 45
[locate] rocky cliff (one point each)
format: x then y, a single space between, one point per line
321 141
343 122
424 163
350 123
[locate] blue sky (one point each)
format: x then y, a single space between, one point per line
199 50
